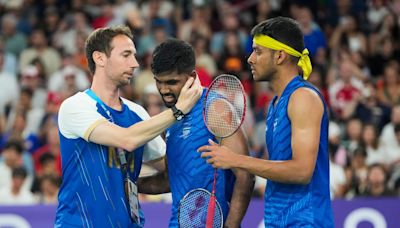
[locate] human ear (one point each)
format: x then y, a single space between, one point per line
98 58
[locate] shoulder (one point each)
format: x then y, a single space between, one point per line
304 101
77 102
136 108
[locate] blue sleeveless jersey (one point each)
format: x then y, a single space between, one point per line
92 192
295 205
186 169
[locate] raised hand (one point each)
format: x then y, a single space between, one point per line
190 94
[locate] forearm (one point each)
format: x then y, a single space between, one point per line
132 137
289 171
144 131
157 184
242 193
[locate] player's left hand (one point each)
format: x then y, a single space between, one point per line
217 156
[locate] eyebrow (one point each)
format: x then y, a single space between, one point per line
128 52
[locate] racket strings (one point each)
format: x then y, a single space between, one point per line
193 210
224 106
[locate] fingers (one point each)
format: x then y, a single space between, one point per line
212 143
188 84
206 154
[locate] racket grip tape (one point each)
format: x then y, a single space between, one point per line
210 212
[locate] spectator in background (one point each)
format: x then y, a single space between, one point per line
49 187
232 58
386 52
347 35
197 25
353 136
337 177
69 27
14 41
51 21
9 88
16 194
51 146
31 79
230 23
203 58
388 136
370 141
314 38
356 173
389 86
151 100
394 153
158 33
56 82
389 27
12 158
376 13
8 61
377 182
369 109
345 90
144 76
39 48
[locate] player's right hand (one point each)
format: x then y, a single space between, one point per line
190 94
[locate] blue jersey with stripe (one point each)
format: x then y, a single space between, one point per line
295 205
186 169
92 192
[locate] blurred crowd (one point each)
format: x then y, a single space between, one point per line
354 46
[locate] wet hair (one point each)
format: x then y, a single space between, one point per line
100 40
282 29
173 55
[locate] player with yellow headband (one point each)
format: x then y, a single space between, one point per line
297 191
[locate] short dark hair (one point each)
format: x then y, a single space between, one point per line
173 55
15 144
283 29
100 40
19 172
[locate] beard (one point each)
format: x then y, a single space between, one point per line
171 102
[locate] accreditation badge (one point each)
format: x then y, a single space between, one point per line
133 201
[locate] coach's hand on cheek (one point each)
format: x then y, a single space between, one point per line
190 94
218 156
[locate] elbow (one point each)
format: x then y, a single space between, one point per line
130 146
127 143
304 178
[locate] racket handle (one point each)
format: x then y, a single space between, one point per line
210 212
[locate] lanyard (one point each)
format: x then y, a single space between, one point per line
121 152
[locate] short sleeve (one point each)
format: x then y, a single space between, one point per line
155 148
78 117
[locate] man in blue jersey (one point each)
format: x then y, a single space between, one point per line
174 64
297 192
105 138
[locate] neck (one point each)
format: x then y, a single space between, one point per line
107 92
281 80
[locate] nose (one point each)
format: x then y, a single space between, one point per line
163 88
134 63
250 60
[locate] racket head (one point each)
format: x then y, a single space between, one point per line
224 106
192 211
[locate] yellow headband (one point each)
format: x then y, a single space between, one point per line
269 42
